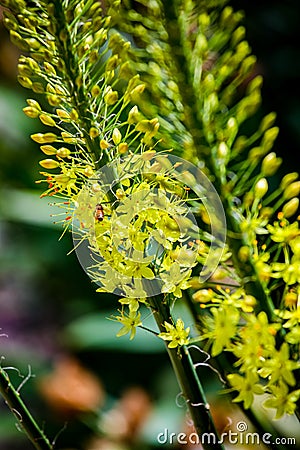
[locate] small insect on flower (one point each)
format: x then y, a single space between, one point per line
99 213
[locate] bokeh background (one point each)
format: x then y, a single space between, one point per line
56 325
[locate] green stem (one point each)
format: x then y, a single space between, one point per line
22 414
188 380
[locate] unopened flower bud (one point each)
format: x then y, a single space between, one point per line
288 179
62 114
270 164
133 115
94 132
47 120
116 136
63 152
292 190
49 164
291 207
104 144
48 150
244 253
261 188
122 148
31 112
203 296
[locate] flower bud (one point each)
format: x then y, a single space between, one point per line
48 150
244 253
261 188
267 122
288 179
116 136
63 152
46 138
31 112
270 164
62 114
104 144
94 132
25 82
88 171
292 190
133 115
49 164
291 207
47 120
122 148
111 98
203 296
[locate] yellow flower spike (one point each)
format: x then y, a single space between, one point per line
63 152
291 207
49 164
47 120
116 136
123 148
48 150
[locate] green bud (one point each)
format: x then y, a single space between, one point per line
269 138
94 132
116 136
292 190
111 98
261 188
270 164
133 115
238 35
291 207
267 122
38 88
25 82
112 62
288 179
49 68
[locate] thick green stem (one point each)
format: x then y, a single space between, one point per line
188 380
22 414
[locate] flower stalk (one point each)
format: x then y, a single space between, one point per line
18 408
188 379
